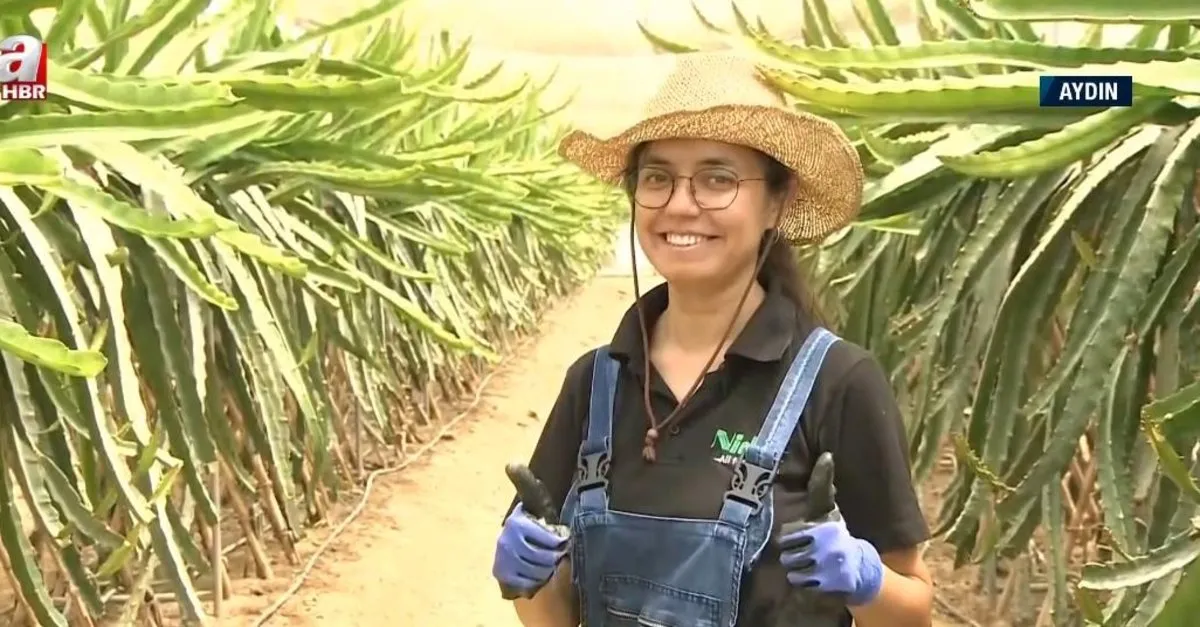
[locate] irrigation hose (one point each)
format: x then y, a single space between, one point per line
301 577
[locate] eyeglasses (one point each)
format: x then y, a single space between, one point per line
712 189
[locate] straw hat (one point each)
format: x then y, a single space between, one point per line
719 96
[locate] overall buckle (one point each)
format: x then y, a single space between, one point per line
750 484
592 470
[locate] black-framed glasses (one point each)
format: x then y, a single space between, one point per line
712 188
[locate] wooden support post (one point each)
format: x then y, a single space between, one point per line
358 451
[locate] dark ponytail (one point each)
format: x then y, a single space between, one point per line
781 270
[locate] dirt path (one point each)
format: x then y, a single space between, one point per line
391 568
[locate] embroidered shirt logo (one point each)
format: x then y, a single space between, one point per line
730 446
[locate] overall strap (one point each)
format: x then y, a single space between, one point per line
755 472
596 451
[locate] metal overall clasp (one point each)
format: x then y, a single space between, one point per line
592 470
750 484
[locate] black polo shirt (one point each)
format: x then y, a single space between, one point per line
851 412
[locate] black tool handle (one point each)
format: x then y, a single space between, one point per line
534 496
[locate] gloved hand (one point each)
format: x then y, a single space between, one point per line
819 553
527 553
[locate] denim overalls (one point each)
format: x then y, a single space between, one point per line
646 571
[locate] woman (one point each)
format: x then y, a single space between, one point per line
713 510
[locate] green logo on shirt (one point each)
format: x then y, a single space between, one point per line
731 445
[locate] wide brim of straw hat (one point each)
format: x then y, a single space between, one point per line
710 98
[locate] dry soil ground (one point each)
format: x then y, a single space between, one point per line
420 554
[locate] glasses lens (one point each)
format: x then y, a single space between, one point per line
715 188
654 186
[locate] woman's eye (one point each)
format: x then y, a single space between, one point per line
718 180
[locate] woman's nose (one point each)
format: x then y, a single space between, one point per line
682 201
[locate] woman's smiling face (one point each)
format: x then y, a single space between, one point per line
701 209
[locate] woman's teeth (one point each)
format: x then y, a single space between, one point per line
683 240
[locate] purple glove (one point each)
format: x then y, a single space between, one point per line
527 554
820 554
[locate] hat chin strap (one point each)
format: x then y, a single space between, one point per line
655 426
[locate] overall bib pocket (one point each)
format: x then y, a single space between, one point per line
635 602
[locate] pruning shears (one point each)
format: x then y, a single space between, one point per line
536 501
805 606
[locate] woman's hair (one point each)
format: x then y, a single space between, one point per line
780 267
